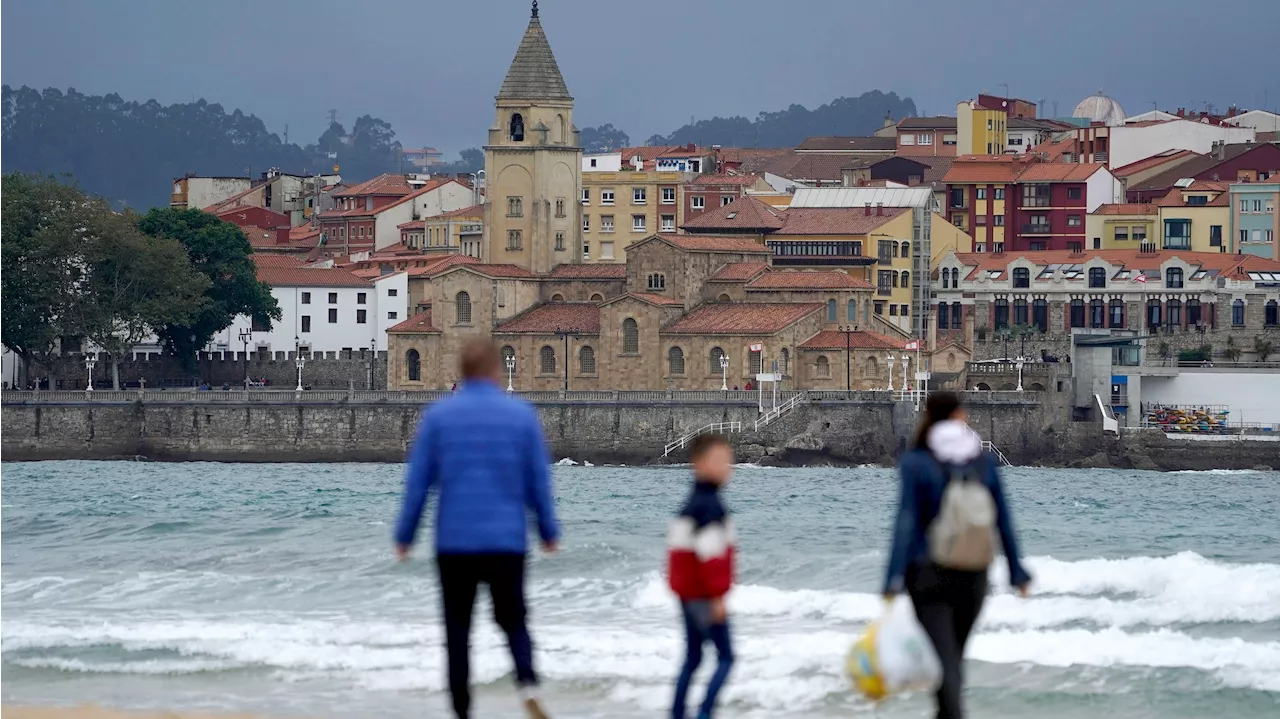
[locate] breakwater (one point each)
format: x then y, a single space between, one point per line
1030 428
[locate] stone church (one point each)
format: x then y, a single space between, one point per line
685 311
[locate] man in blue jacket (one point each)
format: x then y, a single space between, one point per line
485 453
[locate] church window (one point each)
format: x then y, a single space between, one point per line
559 242
559 207
513 240
657 281
515 207
462 308
630 337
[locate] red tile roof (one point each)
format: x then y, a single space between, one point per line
848 144
1127 208
1053 150
1059 171
940 122
309 277
1153 161
654 299
260 237
710 243
303 231
548 318
1177 196
859 340
801 280
588 272
438 264
742 318
271 260
241 212
725 180
472 211
420 322
412 225
501 271
738 271
745 213
835 220
386 184
982 168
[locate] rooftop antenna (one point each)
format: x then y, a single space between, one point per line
286 133
1005 85
333 116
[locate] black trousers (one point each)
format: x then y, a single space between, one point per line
460 578
947 603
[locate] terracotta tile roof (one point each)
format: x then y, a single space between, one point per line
588 272
801 280
413 225
654 299
835 220
1053 150
737 180
738 271
997 169
935 168
1202 165
848 144
420 322
230 202
1127 208
511 272
742 318
1153 161
240 212
547 318
745 213
1059 171
1177 196
259 237
648 155
859 340
261 259
742 155
309 277
303 231
708 243
440 264
927 123
386 184
472 211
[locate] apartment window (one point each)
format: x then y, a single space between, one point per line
657 281
361 316
1021 278
362 230
668 195
1197 200
586 223
997 247
637 223
393 292
1215 235
1097 277
668 223
697 202
586 250
884 282
1002 314
1173 278
887 249
333 298
1271 236
988 148
559 207
1097 313
1193 312
1020 312
1117 313
1074 220
1257 235
360 297
725 200
393 315
1244 205
1121 233
1257 205
306 323
893 310
878 308
924 139
462 308
638 196
1077 312
1097 243
989 127
606 197
1177 234
333 315
1140 233
1073 193
1039 314
306 296
999 194
606 250
559 242
606 223
515 207
999 220
981 193
1237 313
1153 313
908 139
586 195
514 239
1075 248
980 221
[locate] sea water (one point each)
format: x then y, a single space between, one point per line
271 588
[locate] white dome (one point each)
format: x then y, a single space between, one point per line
1100 108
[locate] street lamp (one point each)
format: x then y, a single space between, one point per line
724 372
888 361
511 368
89 362
1019 374
246 334
299 362
848 351
373 360
905 385
566 334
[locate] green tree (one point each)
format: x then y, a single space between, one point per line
604 138
1232 353
43 221
1262 347
219 251
137 283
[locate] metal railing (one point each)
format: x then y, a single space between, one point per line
764 419
988 446
717 427
290 396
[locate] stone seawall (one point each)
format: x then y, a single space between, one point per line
1029 428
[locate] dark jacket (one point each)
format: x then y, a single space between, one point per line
485 452
923 481
700 546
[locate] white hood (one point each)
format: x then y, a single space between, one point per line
953 442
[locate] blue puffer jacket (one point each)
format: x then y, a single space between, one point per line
485 452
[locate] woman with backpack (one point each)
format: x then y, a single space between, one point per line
944 536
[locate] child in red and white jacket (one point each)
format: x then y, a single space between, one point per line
700 571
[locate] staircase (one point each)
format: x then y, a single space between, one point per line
989 447
715 428
796 400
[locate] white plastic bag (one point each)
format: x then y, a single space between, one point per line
894 655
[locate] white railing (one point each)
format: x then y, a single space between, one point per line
717 427
1109 421
764 419
999 455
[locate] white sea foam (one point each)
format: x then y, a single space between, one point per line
566 462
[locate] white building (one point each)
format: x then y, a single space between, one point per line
1125 144
1259 120
602 162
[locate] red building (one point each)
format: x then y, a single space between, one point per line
708 192
1011 106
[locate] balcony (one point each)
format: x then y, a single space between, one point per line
1035 201
1037 229
1100 156
1177 243
958 203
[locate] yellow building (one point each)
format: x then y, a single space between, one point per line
1195 217
1125 226
979 189
459 231
625 206
979 131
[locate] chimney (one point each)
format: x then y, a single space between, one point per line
868 209
1182 112
1220 150
879 209
1232 111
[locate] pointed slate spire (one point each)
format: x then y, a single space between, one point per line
534 74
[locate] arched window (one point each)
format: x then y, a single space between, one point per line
784 360
851 312
944 316
946 278
756 358
1097 277
508 356
630 337
906 249
1174 312
1117 313
557 297
906 279
502 297
1077 312
559 129
1021 277
1271 315
1173 278
713 366
657 281
517 127
1040 314
1097 313
1237 313
462 308
831 310
586 360
723 298
822 367
675 361
547 360
413 361
597 297
871 367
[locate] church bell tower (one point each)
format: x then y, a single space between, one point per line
533 163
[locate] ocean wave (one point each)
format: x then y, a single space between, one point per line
156 667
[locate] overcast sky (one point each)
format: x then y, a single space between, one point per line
432 67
